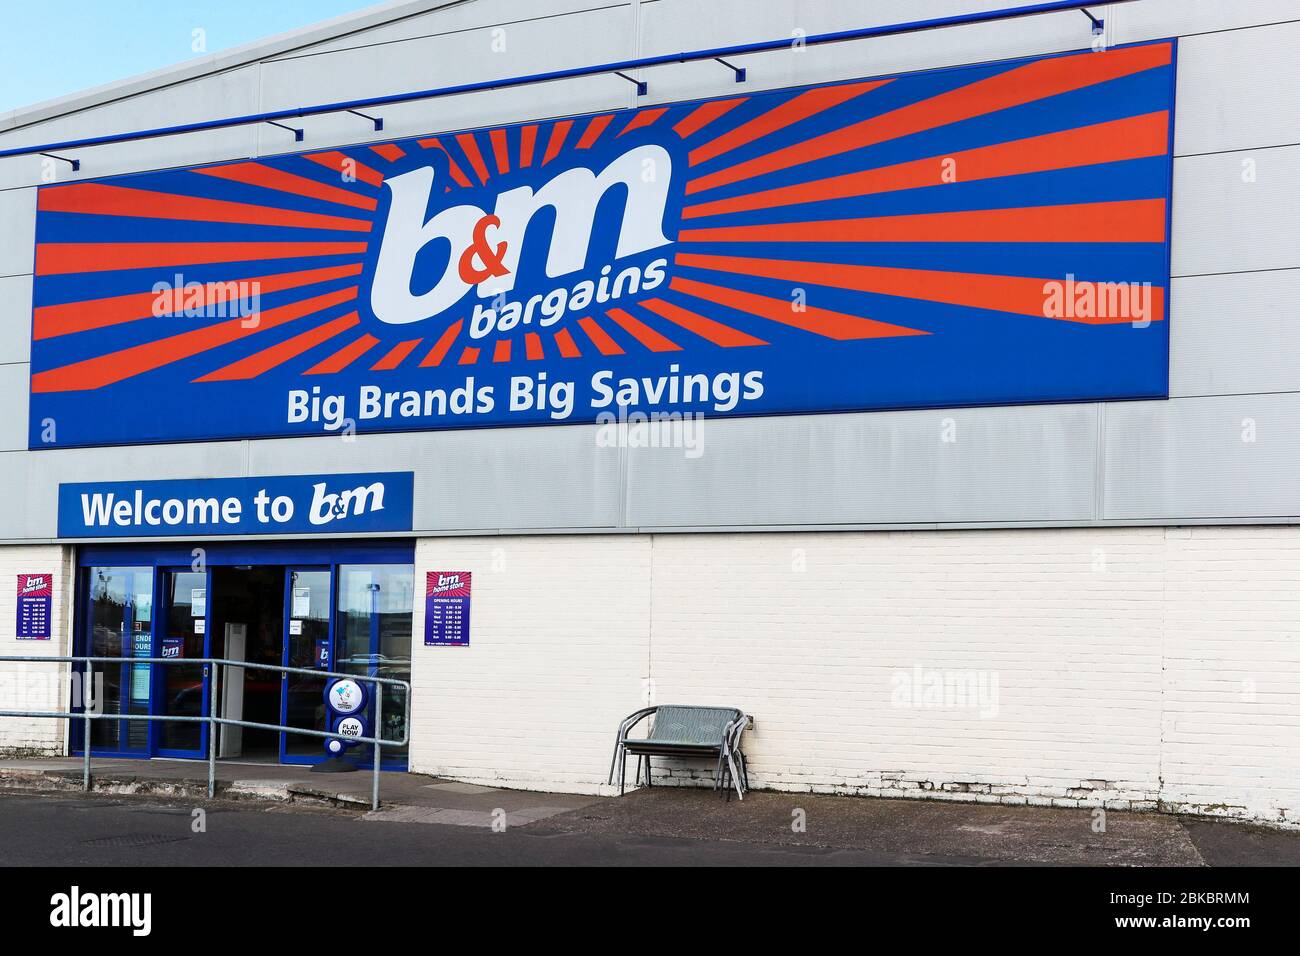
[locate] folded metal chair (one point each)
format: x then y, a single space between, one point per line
684 731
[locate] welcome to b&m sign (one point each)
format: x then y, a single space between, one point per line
982 235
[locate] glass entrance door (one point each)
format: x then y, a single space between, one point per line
308 642
343 607
118 623
182 689
373 637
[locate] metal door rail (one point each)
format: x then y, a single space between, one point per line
212 719
716 53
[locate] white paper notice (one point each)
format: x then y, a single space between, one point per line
301 603
295 627
198 602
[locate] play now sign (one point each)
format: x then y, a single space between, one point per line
284 504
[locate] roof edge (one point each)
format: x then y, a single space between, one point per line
244 55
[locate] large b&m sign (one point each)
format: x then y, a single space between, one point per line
982 235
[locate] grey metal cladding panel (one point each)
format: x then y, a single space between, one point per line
1237 212
1238 90
1235 334
536 46
13 400
1152 19
474 479
1192 458
1006 464
669 26
231 93
29 481
17 231
15 320
453 17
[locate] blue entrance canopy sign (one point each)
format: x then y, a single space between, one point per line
287 504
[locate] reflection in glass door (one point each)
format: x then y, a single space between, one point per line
373 636
307 643
184 687
119 624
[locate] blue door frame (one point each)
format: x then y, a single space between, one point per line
157 701
82 643
332 569
164 559
375 689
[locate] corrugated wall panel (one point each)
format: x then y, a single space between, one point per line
17 231
978 464
452 16
15 322
1238 90
534 46
1237 212
1234 334
668 26
530 478
13 401
29 481
1130 22
231 93
1203 458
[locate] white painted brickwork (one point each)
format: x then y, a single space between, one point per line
32 686
559 646
1127 667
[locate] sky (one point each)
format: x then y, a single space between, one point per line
49 48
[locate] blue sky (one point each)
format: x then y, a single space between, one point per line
51 49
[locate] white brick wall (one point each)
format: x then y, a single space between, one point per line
33 686
560 631
1123 667
1231 726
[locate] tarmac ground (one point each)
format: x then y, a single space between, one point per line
140 812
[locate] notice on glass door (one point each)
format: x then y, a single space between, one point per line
301 602
142 646
35 597
446 609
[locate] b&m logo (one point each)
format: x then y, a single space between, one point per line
449 584
884 243
34 585
533 247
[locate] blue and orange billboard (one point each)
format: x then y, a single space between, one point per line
981 235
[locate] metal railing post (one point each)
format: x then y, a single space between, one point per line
379 751
85 742
212 736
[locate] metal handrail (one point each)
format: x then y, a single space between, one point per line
841 36
212 720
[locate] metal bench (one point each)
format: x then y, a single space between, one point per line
682 731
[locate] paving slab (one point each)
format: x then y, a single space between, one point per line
407 797
497 817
